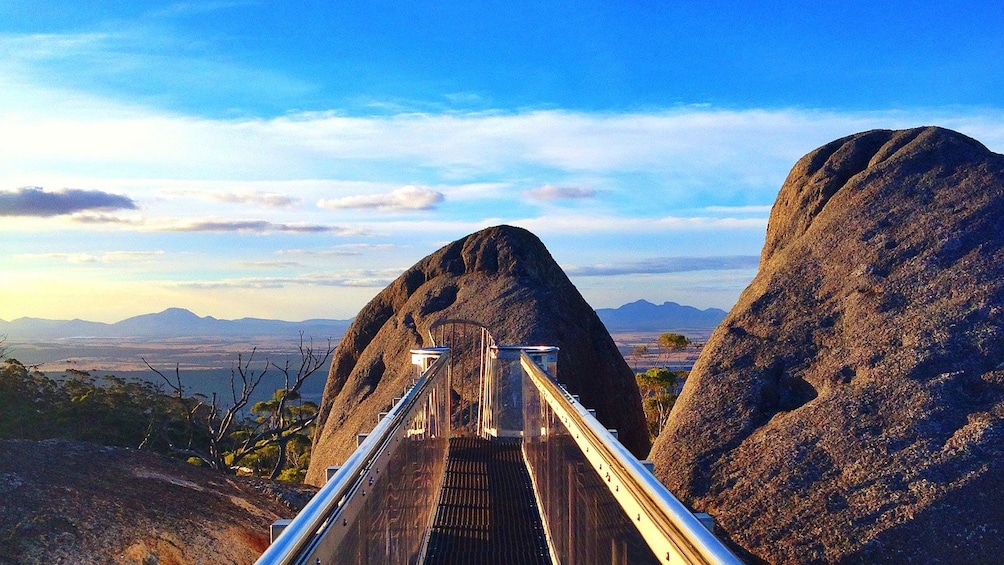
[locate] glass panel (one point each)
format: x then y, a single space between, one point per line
386 517
584 521
504 386
468 343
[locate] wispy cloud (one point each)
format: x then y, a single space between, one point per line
114 256
625 225
139 59
99 219
255 226
466 99
765 209
717 152
405 198
550 192
83 258
35 201
221 225
269 264
260 198
663 265
349 279
76 258
202 7
345 250
569 224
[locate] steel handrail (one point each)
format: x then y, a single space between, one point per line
681 532
299 535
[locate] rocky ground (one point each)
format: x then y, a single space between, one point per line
70 502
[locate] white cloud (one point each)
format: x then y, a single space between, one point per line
84 258
115 256
52 124
214 224
347 279
569 224
550 192
624 225
683 150
663 265
738 209
251 226
77 258
344 250
405 198
269 264
260 198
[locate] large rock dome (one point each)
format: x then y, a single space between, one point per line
850 408
503 278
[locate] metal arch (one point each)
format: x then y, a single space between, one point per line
464 321
470 367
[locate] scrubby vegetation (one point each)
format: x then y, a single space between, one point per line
271 438
659 386
106 410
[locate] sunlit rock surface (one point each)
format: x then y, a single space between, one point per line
72 502
502 277
851 406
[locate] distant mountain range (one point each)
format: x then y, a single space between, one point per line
171 323
178 322
645 316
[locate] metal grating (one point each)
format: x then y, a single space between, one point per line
487 512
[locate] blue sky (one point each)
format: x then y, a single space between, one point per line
289 159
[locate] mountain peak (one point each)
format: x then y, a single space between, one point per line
178 312
642 315
172 322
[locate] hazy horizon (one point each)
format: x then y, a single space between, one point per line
287 161
287 320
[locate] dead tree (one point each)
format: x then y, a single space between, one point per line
229 444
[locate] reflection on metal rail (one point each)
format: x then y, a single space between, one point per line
554 422
407 448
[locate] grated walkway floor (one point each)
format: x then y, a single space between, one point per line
487 512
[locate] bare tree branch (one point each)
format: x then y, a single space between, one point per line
278 423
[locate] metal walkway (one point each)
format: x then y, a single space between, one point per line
427 486
487 512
